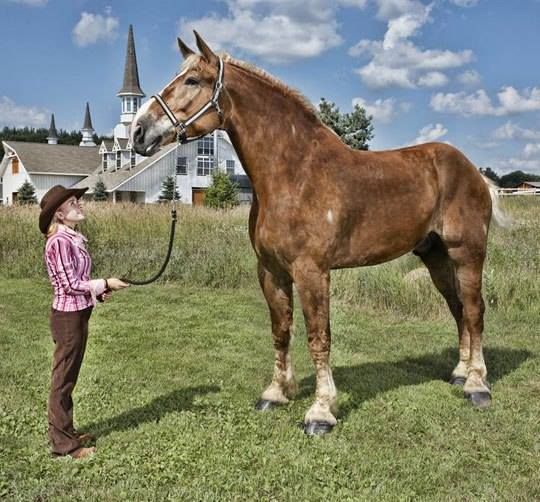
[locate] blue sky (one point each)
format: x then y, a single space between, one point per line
462 71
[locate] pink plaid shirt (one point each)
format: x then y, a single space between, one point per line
68 265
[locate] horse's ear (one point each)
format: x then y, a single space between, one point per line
184 49
205 50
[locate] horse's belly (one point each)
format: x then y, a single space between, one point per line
378 238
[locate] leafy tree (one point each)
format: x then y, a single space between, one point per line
491 174
167 190
222 193
100 191
27 194
515 179
355 129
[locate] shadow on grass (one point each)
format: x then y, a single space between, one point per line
178 400
365 381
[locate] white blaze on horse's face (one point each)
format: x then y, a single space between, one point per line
185 94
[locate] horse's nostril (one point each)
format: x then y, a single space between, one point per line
138 133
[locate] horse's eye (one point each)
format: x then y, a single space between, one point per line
191 81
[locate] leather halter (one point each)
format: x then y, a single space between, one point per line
181 126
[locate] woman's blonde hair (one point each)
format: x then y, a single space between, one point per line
53 226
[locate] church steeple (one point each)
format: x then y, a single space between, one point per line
131 84
87 129
52 138
131 92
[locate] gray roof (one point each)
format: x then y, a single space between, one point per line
52 129
114 178
109 143
535 184
60 159
131 72
123 143
87 120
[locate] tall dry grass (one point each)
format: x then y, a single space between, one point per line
212 249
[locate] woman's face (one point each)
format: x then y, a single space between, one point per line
70 212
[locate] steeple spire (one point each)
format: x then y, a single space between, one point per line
87 129
131 93
52 138
131 72
87 119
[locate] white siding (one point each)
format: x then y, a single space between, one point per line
43 182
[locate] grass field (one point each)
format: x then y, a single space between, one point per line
173 370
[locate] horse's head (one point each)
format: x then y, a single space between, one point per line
193 89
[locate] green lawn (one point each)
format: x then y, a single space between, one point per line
172 373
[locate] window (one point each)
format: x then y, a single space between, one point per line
118 159
104 161
181 165
132 159
204 166
14 165
128 102
135 104
205 146
230 166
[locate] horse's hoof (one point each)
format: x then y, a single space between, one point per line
457 380
480 399
317 428
266 405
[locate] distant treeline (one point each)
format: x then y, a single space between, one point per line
510 180
34 135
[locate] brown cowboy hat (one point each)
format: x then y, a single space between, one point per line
52 200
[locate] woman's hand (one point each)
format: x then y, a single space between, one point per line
115 284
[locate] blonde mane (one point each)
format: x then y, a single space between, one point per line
274 82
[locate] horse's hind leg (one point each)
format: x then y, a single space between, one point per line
469 275
443 274
277 290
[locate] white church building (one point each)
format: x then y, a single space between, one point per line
127 176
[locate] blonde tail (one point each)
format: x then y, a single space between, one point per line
499 216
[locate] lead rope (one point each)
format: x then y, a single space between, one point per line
171 238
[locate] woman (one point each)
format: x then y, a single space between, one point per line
75 295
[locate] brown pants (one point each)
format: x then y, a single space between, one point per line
69 332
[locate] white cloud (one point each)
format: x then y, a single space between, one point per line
511 101
31 3
382 110
469 78
531 150
93 28
464 3
433 79
512 164
514 131
396 61
13 115
431 132
278 31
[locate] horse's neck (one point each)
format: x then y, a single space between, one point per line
269 130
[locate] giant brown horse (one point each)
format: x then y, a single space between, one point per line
320 205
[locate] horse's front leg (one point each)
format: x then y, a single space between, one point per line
277 289
313 287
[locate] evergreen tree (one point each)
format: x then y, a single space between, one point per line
355 129
100 193
222 193
27 194
167 190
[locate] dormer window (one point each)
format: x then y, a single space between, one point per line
118 159
132 159
104 162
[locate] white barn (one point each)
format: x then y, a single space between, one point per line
127 176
